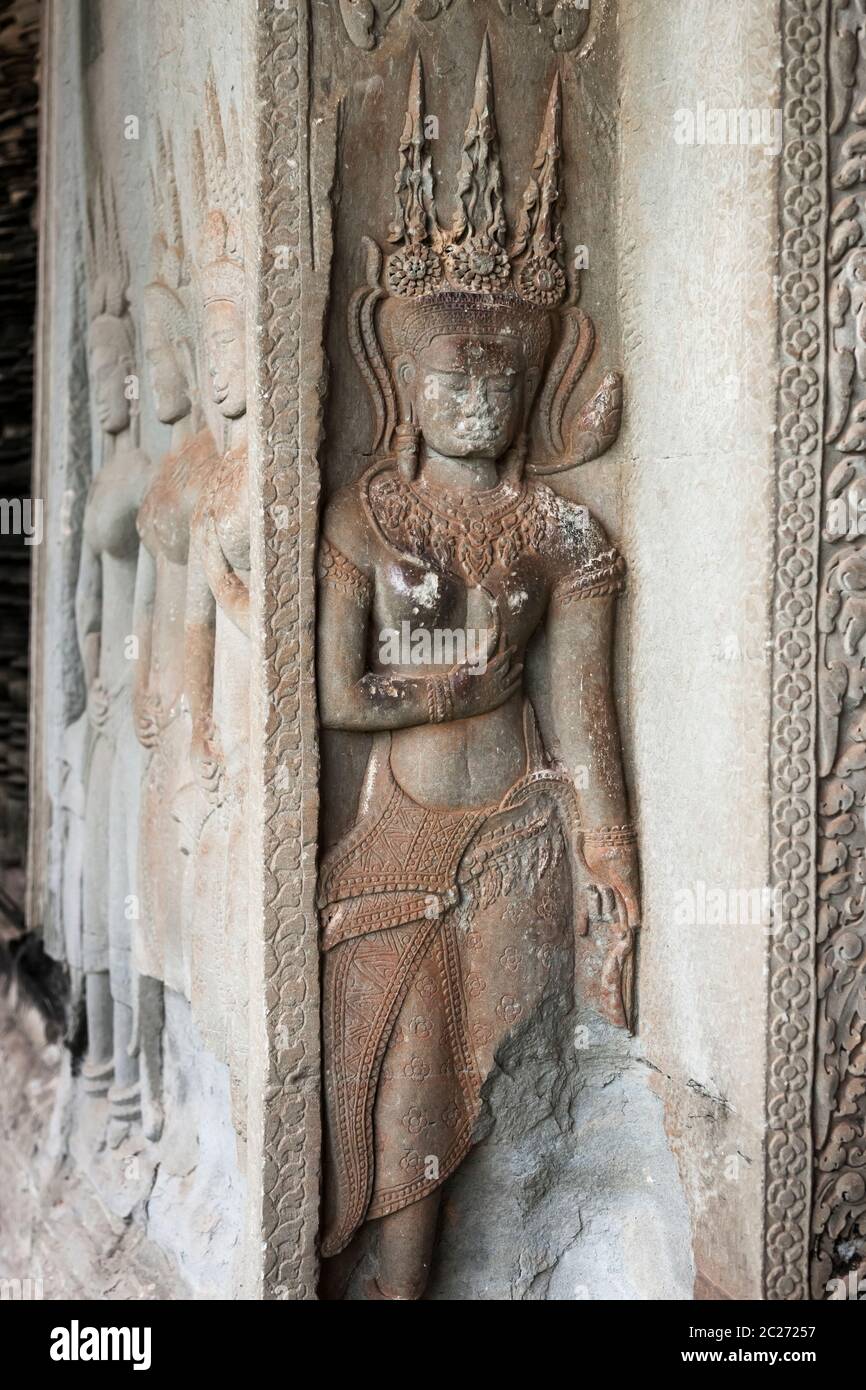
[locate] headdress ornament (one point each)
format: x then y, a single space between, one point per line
471 277
108 270
473 255
216 168
167 294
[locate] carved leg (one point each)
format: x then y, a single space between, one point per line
406 1240
338 1270
151 1016
98 1069
125 1095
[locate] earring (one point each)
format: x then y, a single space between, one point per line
515 461
406 442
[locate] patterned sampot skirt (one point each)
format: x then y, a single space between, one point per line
442 932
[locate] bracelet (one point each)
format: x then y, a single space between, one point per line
611 836
440 700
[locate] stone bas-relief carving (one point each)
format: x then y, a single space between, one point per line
217 617
161 717
446 909
104 610
470 836
566 20
838 1235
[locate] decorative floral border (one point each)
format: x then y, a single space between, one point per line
288 488
816 1158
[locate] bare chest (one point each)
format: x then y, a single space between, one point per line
164 518
110 516
417 597
230 517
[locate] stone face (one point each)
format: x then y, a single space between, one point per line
386 352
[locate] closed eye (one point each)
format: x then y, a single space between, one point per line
458 381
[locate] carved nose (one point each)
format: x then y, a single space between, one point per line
476 401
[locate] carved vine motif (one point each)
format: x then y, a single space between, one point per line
839 1100
791 983
290 1185
566 21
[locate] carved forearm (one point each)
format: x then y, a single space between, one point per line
584 712
199 642
352 698
198 673
230 591
88 612
145 593
376 702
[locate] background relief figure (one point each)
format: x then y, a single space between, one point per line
445 910
104 609
162 940
217 624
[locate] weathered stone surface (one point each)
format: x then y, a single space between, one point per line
364 362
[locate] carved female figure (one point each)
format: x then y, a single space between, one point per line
445 909
162 949
217 618
104 607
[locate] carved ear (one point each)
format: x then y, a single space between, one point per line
188 365
597 424
405 372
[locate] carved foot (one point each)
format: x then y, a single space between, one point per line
117 1133
153 1119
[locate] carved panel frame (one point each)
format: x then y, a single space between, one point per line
288 404
816 1145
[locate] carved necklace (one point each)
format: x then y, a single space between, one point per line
467 532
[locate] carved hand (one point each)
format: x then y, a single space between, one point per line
207 761
614 872
97 703
147 714
477 692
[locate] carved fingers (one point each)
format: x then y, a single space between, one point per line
616 868
617 980
612 899
97 703
208 762
147 714
476 690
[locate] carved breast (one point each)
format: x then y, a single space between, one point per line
164 517
229 508
110 516
429 599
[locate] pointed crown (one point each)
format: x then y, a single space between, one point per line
107 266
474 256
216 170
166 297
